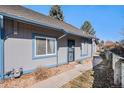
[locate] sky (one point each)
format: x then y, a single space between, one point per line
108 21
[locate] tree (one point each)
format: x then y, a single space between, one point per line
87 28
92 31
122 42
56 12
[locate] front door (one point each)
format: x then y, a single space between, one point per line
71 50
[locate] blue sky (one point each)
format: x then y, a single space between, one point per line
108 21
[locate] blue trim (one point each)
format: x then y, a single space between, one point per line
28 71
33 47
1 48
51 66
41 57
31 70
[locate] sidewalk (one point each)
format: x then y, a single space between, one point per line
63 78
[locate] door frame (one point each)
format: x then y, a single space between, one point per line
68 50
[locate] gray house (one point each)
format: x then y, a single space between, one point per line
29 39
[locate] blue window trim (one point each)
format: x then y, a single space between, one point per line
1 48
33 47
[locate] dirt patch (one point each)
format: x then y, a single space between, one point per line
103 76
30 79
83 81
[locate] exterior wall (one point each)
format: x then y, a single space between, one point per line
90 50
62 51
78 41
18 47
94 47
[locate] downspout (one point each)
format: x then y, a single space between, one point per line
65 34
1 47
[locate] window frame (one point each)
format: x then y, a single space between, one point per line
47 54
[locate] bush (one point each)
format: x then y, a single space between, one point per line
41 73
102 54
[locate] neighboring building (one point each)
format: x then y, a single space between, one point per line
109 44
29 39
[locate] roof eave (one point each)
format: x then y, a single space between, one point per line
41 24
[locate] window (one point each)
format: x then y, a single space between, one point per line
51 46
45 46
84 47
40 46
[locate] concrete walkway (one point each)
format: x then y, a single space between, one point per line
63 78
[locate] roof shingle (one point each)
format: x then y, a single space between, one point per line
28 14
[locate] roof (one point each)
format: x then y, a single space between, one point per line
25 14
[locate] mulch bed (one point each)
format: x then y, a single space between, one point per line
30 79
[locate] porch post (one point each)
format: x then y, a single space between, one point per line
1 49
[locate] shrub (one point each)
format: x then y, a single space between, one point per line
41 73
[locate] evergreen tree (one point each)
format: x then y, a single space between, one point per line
92 31
87 28
56 12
